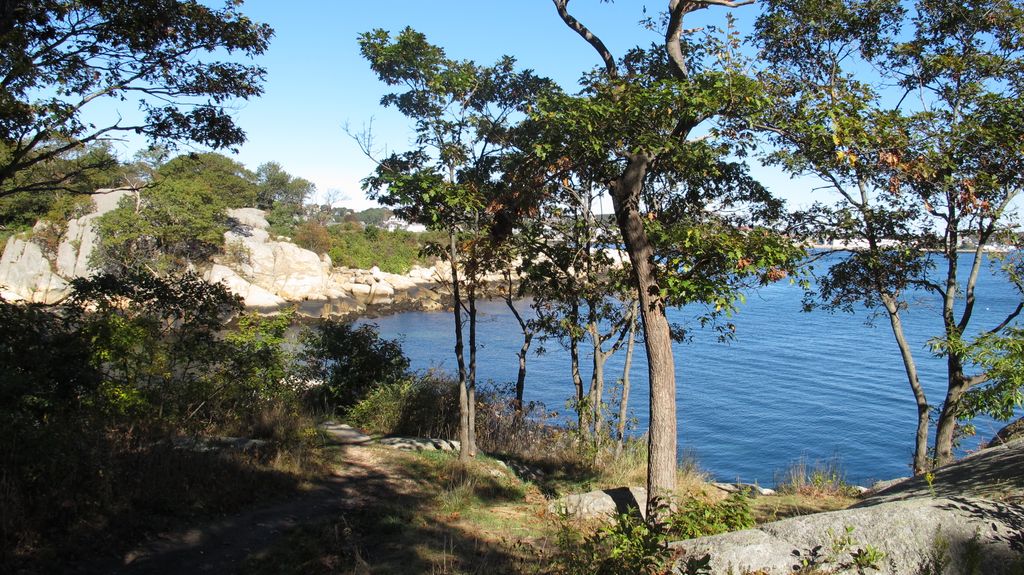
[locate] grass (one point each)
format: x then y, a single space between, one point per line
450 517
822 478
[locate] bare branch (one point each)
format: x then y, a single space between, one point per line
1009 318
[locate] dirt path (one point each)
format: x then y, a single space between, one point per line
223 545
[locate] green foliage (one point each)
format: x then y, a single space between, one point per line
107 384
44 365
155 341
696 517
1000 356
53 50
283 218
169 225
178 220
350 362
629 545
79 172
393 252
374 216
416 405
276 187
228 180
256 376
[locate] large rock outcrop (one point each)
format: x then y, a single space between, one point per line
27 273
267 273
969 518
270 274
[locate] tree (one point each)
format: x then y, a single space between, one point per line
461 113
276 186
60 58
633 129
914 119
228 179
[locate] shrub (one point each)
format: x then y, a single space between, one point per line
157 343
350 362
393 252
696 517
313 236
423 405
44 365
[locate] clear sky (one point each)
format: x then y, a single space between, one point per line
317 82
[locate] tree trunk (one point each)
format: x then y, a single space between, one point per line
920 461
661 469
523 351
465 450
596 379
471 382
945 428
627 365
956 383
577 379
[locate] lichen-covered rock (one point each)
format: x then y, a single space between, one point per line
905 535
420 444
249 217
969 513
80 238
25 270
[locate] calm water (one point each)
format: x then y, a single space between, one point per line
791 385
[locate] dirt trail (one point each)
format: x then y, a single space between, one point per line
222 546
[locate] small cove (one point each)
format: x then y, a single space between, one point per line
791 385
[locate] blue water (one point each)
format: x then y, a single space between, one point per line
791 385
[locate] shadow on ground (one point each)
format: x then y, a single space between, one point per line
361 519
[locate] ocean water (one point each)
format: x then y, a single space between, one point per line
790 386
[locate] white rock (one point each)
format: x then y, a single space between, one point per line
250 217
24 271
376 294
253 295
602 504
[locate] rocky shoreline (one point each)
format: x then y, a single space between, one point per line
269 274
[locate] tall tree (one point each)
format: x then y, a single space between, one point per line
461 113
634 127
60 58
911 113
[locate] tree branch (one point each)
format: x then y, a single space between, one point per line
586 34
1009 318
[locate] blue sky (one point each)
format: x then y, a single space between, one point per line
317 82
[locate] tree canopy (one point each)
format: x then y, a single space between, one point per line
58 58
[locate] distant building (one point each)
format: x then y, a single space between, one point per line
395 223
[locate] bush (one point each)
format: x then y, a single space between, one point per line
350 362
698 518
393 252
421 405
44 365
156 342
106 389
313 236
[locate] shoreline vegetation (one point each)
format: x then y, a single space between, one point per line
141 447
155 416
